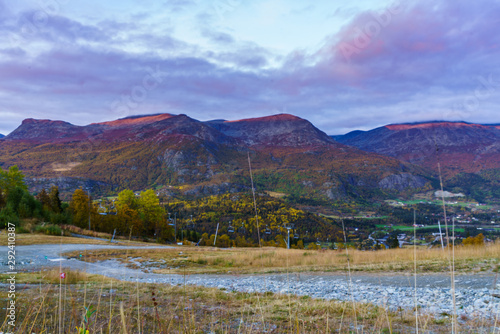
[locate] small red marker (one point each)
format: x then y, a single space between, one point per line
62 275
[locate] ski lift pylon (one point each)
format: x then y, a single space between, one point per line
268 230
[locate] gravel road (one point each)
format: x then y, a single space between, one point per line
476 294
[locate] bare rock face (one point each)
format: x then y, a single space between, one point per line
66 185
335 193
401 182
215 189
177 160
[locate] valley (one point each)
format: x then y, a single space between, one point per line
329 222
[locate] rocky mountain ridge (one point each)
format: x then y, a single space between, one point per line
457 146
288 155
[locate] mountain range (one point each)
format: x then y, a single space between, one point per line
457 146
181 156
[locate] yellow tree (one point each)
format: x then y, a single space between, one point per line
80 208
150 211
128 198
129 221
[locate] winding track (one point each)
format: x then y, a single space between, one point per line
395 290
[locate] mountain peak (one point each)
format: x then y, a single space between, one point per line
282 130
43 130
463 146
433 124
137 120
31 121
277 117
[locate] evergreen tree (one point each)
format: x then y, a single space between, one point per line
393 241
44 199
54 200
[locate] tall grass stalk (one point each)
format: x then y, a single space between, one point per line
85 282
450 255
64 304
38 312
60 286
98 304
415 265
254 201
349 273
386 311
289 298
496 322
110 307
455 320
138 305
122 315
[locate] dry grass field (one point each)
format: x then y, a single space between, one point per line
266 260
44 306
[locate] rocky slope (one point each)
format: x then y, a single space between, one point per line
281 130
458 146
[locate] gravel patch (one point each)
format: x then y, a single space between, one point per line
477 295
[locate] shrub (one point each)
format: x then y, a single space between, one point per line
478 240
48 229
72 276
8 216
58 218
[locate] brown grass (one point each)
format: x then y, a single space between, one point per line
51 276
186 309
251 260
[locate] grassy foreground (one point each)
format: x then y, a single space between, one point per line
266 260
44 306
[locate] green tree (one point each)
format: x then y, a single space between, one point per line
10 179
27 205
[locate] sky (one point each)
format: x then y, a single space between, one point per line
343 65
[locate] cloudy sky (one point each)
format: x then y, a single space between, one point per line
343 65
